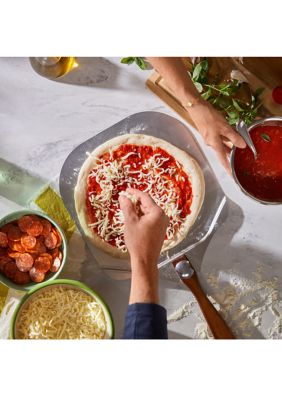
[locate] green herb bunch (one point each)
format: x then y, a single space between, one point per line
140 61
223 96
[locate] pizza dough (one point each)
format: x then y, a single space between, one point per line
184 160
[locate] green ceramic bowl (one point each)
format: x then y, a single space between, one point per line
50 275
70 284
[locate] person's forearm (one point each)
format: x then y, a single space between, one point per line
176 77
144 283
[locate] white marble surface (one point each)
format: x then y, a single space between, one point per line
41 121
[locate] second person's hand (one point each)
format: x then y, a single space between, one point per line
216 131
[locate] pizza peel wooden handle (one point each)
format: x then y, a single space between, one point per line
216 323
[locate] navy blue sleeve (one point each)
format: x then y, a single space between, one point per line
145 321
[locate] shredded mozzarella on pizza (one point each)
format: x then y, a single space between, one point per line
131 197
61 313
112 174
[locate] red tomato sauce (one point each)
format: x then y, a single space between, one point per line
262 177
182 186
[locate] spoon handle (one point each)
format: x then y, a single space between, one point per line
242 129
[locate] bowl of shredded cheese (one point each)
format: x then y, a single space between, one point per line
62 309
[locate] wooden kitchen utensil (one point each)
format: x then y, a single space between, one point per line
216 323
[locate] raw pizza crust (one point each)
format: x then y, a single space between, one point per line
189 165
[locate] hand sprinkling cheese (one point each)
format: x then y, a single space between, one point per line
129 196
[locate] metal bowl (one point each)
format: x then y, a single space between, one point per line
264 121
51 275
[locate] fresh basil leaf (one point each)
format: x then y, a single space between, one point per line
140 62
206 95
233 121
265 137
200 71
204 72
196 71
127 60
232 114
199 86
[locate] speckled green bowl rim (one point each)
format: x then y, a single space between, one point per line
69 282
51 275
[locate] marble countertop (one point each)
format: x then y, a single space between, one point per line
41 121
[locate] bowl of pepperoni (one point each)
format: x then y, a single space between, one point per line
261 178
33 249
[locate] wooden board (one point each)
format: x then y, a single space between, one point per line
260 72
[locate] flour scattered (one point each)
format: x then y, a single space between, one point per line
182 312
245 302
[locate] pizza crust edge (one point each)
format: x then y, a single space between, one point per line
190 166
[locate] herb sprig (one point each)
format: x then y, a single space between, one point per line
140 61
223 95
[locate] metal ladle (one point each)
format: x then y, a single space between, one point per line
242 129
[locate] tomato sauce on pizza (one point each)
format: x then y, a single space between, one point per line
149 169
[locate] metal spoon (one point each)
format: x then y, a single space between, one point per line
243 131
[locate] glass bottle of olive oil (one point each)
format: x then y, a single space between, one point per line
53 67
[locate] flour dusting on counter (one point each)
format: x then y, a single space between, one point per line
244 302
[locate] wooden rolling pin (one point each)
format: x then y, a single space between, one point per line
216 323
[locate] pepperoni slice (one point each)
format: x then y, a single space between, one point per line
16 246
5 228
36 228
46 227
3 252
14 233
24 262
36 275
10 269
47 255
13 254
25 223
40 247
42 264
41 238
58 237
28 242
56 265
51 241
35 217
4 260
21 278
3 239
55 252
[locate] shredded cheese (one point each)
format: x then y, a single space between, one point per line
111 175
131 197
61 313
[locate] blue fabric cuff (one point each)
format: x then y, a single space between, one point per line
145 321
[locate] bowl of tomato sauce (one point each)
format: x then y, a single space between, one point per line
261 178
